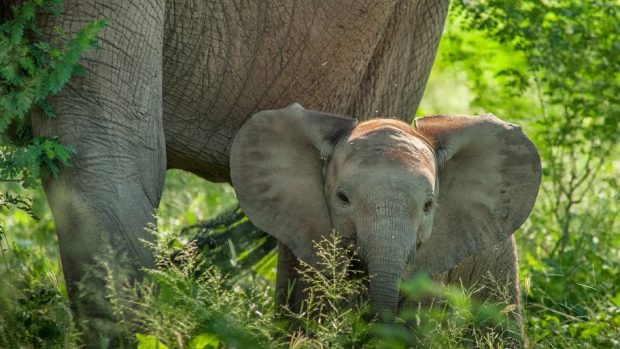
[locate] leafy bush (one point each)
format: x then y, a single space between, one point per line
31 69
34 311
188 303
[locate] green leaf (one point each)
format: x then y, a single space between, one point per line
27 64
17 32
27 11
79 70
8 73
616 299
147 341
205 341
46 108
43 46
55 53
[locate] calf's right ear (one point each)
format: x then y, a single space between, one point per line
276 166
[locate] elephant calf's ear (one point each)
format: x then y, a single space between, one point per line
489 173
276 168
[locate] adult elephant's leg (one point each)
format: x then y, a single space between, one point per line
397 74
113 119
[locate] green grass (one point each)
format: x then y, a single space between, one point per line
570 301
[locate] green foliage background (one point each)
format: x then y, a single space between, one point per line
551 66
32 69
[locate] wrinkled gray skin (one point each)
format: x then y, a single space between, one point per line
443 197
175 80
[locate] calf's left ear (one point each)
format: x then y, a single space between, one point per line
489 173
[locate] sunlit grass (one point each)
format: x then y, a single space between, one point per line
188 299
181 303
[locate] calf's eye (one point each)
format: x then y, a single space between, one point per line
427 206
344 199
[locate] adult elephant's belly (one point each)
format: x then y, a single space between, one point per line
223 62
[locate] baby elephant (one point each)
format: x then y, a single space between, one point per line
443 196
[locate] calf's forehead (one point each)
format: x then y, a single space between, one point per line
386 146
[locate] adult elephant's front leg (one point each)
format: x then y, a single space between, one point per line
113 118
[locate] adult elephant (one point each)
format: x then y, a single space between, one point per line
175 80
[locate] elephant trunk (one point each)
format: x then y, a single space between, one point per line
384 285
386 250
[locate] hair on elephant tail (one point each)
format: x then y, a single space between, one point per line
230 241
